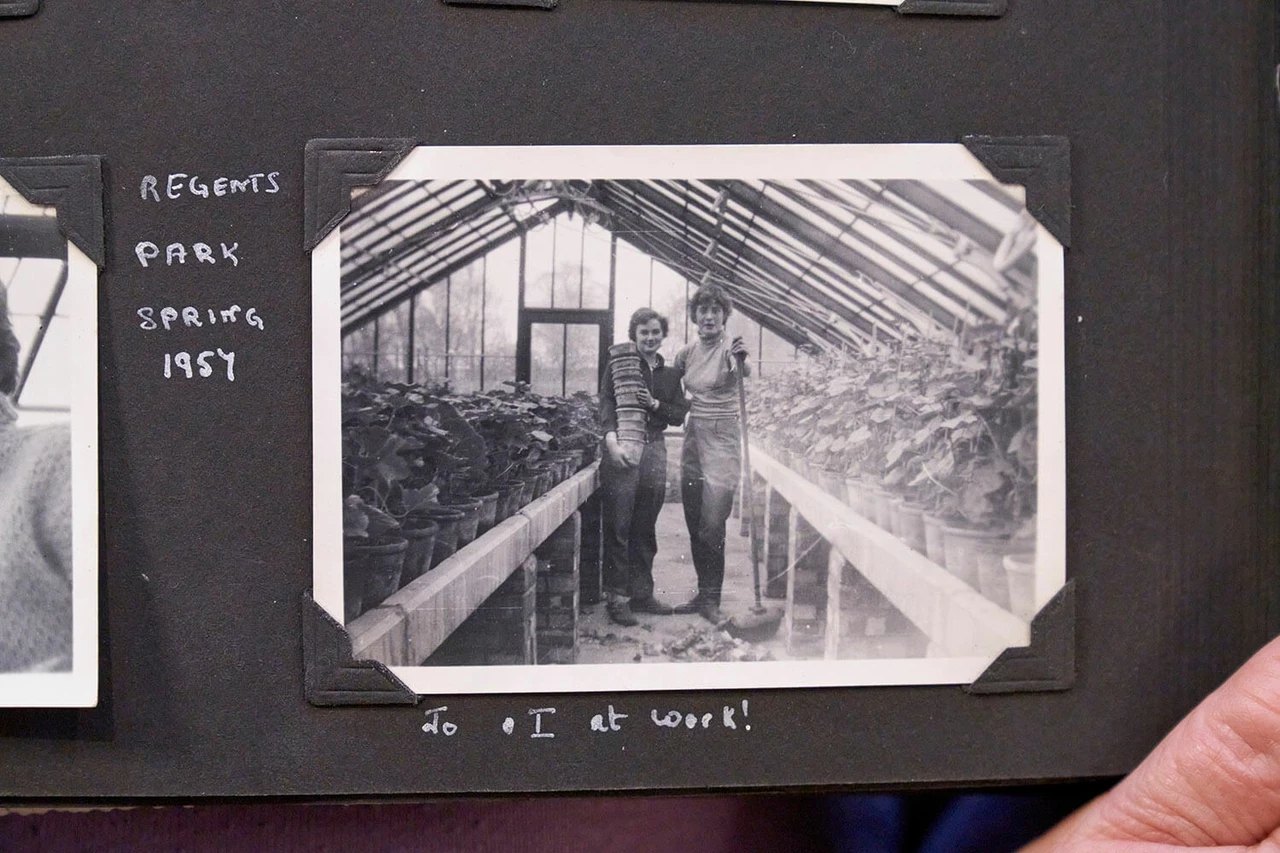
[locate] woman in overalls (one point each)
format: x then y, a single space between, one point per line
712 367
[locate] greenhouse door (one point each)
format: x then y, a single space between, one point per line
560 351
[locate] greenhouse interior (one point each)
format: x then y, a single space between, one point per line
887 510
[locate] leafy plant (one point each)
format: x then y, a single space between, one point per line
408 447
362 521
947 424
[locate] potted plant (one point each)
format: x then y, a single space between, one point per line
988 471
372 558
374 463
419 528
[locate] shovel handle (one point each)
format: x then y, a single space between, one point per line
749 502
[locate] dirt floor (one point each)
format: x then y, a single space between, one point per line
660 639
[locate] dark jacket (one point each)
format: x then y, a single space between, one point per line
664 386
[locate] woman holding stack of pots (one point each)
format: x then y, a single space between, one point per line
640 396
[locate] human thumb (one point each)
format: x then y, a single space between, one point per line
1214 781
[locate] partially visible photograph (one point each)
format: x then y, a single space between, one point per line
681 418
48 462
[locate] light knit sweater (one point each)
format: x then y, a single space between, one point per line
710 376
35 545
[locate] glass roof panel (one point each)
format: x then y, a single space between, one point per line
389 289
385 234
965 195
821 245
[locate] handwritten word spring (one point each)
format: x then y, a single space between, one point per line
191 316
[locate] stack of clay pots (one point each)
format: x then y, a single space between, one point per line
628 381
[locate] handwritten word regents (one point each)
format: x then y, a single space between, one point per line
179 184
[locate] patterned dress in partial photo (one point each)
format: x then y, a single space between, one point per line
35 545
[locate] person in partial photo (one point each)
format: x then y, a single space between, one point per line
634 480
712 367
35 529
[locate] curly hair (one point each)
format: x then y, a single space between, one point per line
8 348
712 294
644 315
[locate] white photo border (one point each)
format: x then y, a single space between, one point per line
907 161
77 688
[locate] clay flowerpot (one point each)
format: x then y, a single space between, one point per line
521 493
446 543
375 567
895 520
420 532
549 463
845 491
563 466
910 519
977 558
353 577
855 495
882 509
935 547
488 511
631 425
1021 569
832 482
507 496
469 524
538 482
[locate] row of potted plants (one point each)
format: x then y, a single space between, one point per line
425 470
934 440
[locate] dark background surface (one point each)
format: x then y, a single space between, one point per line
206 484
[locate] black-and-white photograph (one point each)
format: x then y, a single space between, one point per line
688 417
48 462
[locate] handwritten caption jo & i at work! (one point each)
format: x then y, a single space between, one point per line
540 723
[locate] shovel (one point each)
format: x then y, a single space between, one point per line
759 622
